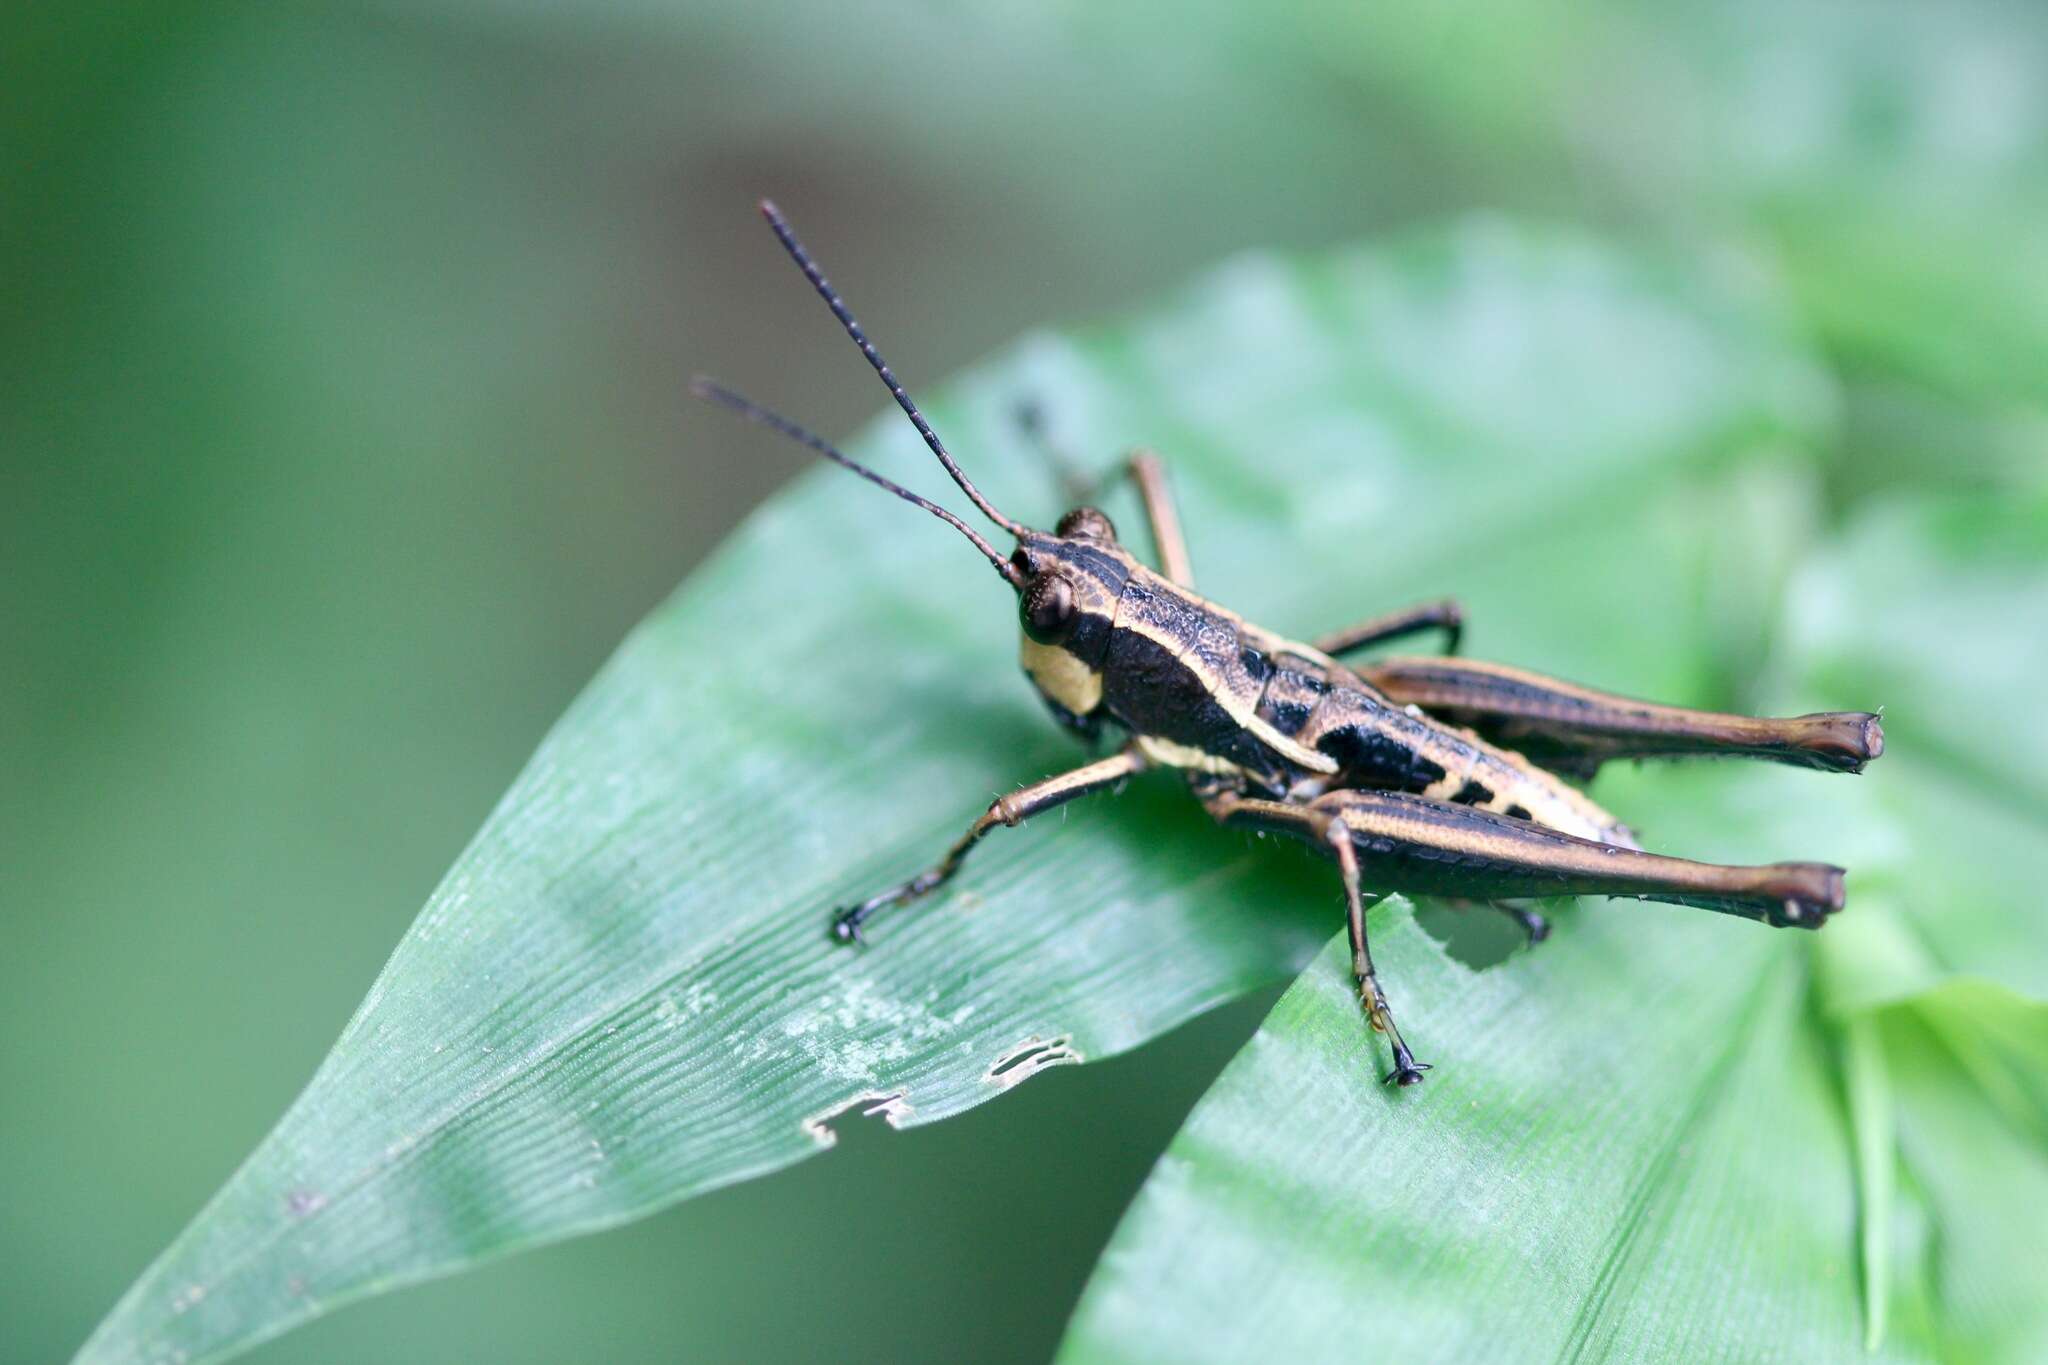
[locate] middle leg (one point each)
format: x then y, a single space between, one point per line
1326 829
1531 922
1446 616
1407 1071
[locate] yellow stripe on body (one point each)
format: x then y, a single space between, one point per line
1239 710
1168 754
1062 677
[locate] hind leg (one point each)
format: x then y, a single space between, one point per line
1576 728
1435 848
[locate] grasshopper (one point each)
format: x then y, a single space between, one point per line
1414 775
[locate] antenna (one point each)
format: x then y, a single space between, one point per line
787 237
711 391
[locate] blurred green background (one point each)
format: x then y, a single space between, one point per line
344 436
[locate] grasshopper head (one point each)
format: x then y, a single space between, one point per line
1067 592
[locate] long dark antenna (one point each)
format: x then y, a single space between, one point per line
796 251
711 391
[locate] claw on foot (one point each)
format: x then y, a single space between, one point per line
1407 1071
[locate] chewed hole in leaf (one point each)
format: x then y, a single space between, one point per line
1028 1058
1476 935
891 1106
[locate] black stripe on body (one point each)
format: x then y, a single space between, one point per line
1383 746
1374 749
1377 745
1290 697
1090 641
1153 690
1105 566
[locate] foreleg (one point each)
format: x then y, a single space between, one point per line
1014 809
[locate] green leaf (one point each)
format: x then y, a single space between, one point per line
1670 1137
1577 1180
623 994
1932 603
1639 1155
1968 1063
1893 154
1928 606
1866 1079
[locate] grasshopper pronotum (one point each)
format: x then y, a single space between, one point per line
1413 774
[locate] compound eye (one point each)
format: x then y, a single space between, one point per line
1086 523
1048 609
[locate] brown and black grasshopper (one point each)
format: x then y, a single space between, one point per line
1413 774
